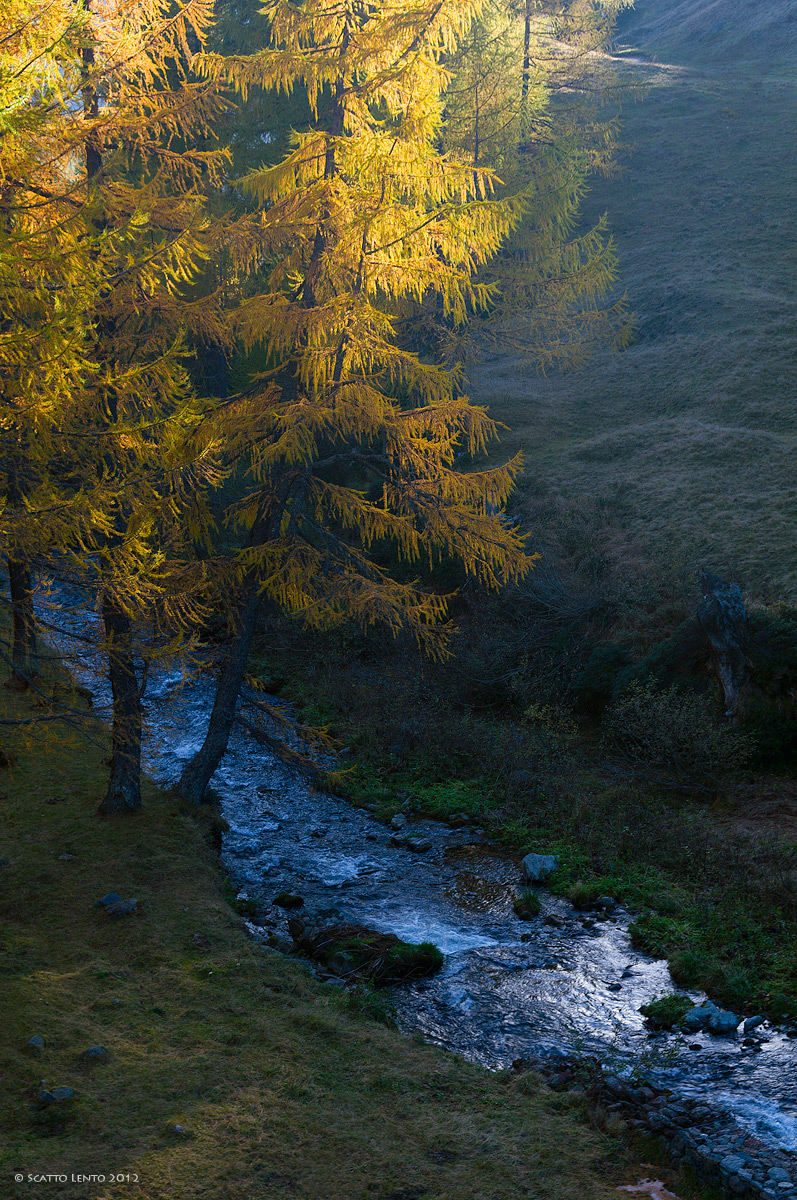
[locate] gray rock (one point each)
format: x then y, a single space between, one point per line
419 844
35 1045
778 1175
4 862
698 1018
615 987
723 1022
537 867
121 908
752 1023
319 833
96 1052
733 1163
556 921
108 899
398 821
46 1097
605 902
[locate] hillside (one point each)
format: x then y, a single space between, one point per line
687 439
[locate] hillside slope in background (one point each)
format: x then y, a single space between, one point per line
715 31
688 439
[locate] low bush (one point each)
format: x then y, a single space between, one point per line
670 738
666 1012
527 904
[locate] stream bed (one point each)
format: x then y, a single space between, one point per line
509 989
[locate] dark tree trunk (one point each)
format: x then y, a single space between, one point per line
198 772
723 619
124 787
23 655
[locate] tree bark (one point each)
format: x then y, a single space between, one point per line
23 655
723 619
124 788
197 774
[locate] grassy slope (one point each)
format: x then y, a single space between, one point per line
689 437
284 1092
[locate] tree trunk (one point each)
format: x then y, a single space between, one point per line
723 618
198 772
124 787
23 655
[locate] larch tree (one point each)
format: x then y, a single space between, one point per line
532 96
46 285
348 440
114 191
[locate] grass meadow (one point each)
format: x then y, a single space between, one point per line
686 441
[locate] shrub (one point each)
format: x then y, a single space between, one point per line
670 738
597 682
527 904
667 1011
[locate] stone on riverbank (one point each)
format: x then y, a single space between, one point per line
537 867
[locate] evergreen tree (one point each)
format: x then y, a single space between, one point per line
349 439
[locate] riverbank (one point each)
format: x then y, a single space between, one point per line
228 1070
710 879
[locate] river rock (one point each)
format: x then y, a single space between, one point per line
752 1023
288 900
537 867
398 821
698 1018
723 1022
778 1175
418 844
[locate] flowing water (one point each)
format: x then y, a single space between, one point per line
509 988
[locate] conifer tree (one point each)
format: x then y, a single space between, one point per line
531 97
351 440
118 205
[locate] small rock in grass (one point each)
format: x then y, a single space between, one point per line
35 1045
108 898
56 1095
4 862
178 1131
66 857
606 902
288 900
95 1053
121 908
